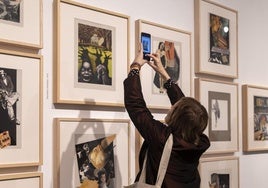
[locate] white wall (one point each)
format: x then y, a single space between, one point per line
253 66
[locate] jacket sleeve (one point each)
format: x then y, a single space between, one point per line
174 92
136 106
139 114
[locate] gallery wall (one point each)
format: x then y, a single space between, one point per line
252 69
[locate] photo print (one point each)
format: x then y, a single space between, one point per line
94 54
9 106
170 58
95 161
219 40
219 113
10 11
260 118
219 180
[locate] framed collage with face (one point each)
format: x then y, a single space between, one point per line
255 117
20 109
92 152
216 39
21 23
92 55
219 172
174 47
30 179
221 101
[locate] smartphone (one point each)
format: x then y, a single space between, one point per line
146 43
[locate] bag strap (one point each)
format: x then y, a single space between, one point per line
163 163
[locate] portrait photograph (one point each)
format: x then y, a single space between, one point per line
10 107
94 54
20 109
170 58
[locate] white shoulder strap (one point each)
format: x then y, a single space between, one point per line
163 163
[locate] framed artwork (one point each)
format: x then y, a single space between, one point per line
30 179
255 114
216 39
219 172
221 101
21 23
174 46
20 109
96 42
92 152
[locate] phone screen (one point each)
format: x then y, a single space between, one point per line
146 43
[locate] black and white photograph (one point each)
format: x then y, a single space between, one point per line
10 10
9 103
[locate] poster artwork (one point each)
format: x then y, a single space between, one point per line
219 40
260 118
96 162
95 61
170 58
10 10
9 97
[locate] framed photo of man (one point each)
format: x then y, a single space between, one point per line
20 109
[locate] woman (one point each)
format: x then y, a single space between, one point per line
186 120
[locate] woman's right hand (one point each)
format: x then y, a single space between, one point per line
157 65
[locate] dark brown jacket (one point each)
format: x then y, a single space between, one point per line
182 171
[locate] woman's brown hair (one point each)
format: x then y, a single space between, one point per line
188 118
